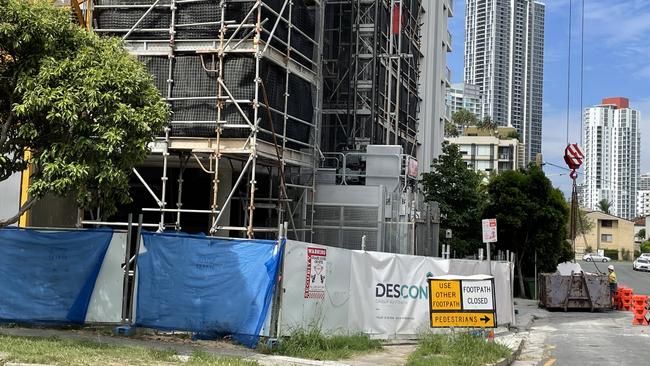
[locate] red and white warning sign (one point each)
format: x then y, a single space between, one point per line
489 230
573 156
316 273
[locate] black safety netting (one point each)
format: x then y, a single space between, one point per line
201 20
195 89
191 85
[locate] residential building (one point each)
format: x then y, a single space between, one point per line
489 151
504 57
611 146
435 78
643 195
464 96
607 232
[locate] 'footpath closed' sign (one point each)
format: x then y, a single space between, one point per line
462 301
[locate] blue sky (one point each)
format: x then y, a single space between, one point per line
616 63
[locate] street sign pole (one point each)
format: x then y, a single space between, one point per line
489 260
489 236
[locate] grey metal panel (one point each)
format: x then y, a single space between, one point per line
347 195
10 196
383 166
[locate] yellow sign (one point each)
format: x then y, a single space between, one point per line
462 320
445 295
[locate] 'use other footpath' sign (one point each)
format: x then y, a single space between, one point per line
462 302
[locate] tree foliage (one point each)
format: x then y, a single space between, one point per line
460 196
641 234
532 218
487 123
605 206
80 104
459 119
584 223
463 117
451 129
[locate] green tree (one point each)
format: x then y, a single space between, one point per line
80 105
487 123
451 129
531 218
460 118
463 117
605 206
460 197
584 224
641 234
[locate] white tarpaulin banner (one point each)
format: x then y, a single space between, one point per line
381 294
392 291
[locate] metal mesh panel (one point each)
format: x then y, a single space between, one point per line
198 12
191 80
129 2
122 19
326 236
329 216
159 69
360 216
352 239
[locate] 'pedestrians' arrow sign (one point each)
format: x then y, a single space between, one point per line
462 320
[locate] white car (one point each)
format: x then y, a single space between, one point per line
641 264
595 257
645 255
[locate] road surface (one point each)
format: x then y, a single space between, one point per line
639 281
584 338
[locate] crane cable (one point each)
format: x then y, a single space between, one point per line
582 67
568 79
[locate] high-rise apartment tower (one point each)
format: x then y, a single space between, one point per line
504 56
611 145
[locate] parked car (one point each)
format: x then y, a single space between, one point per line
595 257
641 264
645 255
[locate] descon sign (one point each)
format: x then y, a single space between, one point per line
400 291
467 302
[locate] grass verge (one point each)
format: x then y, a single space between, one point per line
313 344
456 350
57 351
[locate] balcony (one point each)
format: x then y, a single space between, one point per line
447 76
450 8
447 41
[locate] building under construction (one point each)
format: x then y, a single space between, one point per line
278 108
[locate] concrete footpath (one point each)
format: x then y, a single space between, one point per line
393 353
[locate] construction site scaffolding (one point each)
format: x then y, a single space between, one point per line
243 79
371 74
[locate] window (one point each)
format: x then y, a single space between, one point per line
606 238
607 223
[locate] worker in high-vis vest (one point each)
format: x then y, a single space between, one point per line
613 282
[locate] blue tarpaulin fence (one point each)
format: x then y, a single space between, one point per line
206 285
48 277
